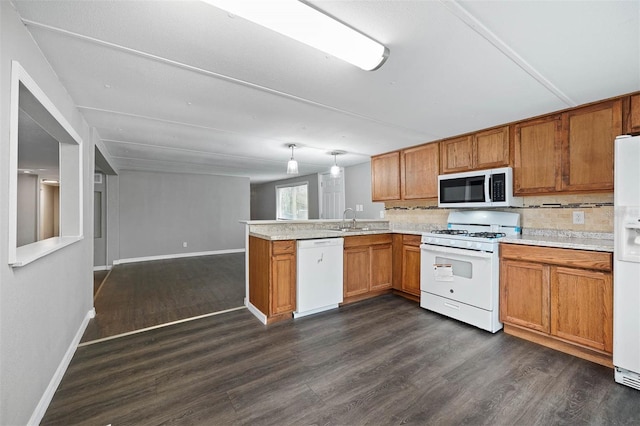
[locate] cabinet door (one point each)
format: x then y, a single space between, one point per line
456 155
524 294
420 168
491 148
633 120
587 151
381 266
536 161
356 271
411 269
385 177
582 307
283 283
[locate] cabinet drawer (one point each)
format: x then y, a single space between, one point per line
285 246
599 261
411 240
367 240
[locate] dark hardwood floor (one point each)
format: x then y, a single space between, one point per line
98 277
382 361
146 294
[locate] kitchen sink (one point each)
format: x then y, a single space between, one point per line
349 229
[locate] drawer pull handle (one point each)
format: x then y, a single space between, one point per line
449 305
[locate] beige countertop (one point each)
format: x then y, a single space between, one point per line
305 230
558 241
313 234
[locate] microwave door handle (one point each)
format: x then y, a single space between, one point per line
488 188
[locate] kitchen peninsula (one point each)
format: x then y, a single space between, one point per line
271 261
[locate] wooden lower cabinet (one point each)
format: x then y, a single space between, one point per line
406 265
524 294
633 114
561 298
272 277
368 262
357 271
582 307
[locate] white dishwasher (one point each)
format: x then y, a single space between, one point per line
318 275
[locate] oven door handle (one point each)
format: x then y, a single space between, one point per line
453 250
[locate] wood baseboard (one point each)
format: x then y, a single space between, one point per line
279 317
364 296
408 296
579 351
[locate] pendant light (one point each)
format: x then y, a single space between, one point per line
335 169
292 165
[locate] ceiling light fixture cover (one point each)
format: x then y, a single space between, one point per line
307 25
292 165
335 169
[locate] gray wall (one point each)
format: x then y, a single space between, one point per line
43 304
27 218
159 211
357 183
263 197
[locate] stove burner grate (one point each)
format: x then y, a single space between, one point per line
488 234
450 231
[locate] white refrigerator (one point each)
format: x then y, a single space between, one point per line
626 272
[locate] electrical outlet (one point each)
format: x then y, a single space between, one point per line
381 214
359 207
578 218
184 244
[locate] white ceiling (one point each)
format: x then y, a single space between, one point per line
184 87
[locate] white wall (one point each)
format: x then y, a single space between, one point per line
160 211
43 304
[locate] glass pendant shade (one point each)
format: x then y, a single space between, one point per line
292 165
335 169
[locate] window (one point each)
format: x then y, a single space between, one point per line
292 201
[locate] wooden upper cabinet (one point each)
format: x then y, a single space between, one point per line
456 154
483 150
385 177
633 114
419 172
587 150
491 148
536 159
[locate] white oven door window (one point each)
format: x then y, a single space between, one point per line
466 276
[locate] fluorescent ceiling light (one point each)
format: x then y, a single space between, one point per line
302 22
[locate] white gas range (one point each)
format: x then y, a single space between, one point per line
459 266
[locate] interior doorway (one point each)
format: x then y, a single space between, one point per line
332 198
99 222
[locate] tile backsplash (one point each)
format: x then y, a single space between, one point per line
539 212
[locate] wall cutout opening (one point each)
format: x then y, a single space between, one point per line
45 174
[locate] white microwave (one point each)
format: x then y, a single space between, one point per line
481 188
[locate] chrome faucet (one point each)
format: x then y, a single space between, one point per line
344 220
